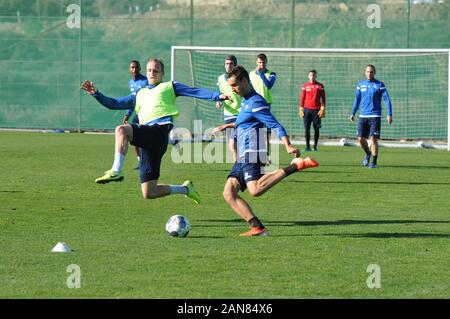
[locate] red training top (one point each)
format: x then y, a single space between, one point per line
312 93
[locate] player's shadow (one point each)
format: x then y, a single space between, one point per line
308 223
367 182
369 235
344 222
352 222
341 222
330 172
395 235
421 167
416 166
219 223
206 237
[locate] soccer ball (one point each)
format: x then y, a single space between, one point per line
178 226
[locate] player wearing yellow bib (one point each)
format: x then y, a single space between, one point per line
231 107
262 81
155 106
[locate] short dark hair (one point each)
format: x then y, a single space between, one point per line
262 56
312 71
136 62
240 73
231 58
372 66
157 60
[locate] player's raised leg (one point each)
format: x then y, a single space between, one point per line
265 182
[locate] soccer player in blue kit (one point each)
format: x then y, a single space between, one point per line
247 172
369 93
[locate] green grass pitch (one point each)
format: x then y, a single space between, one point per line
327 225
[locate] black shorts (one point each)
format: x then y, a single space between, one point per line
369 126
246 172
311 116
152 141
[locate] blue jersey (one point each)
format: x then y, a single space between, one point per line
134 85
250 127
369 94
128 102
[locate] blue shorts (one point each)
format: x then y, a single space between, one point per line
246 172
369 126
152 141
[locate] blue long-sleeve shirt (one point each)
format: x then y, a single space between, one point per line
128 102
267 82
254 116
369 94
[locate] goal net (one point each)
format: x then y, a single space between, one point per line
417 82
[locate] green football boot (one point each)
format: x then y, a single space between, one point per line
110 176
192 193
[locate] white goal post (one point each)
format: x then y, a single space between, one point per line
418 81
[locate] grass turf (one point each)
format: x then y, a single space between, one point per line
327 225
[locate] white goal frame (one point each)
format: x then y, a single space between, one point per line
328 50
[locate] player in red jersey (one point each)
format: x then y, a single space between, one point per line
312 108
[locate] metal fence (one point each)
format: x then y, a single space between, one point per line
48 47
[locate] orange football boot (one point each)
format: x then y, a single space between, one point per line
304 163
256 231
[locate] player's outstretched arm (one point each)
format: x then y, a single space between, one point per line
198 93
121 103
265 116
221 128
